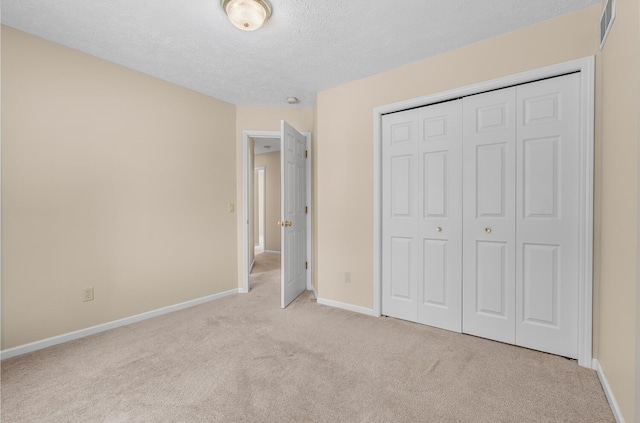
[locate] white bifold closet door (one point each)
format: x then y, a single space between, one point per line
400 215
489 182
480 215
422 218
547 215
440 195
520 278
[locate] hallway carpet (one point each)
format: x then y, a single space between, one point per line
243 359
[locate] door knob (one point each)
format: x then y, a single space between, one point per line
288 223
487 230
438 228
279 224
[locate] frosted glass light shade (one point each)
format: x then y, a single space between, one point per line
247 15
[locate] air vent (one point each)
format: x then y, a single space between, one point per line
606 20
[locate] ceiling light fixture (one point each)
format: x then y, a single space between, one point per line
247 15
292 100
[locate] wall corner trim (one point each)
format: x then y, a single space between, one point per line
349 307
70 336
608 392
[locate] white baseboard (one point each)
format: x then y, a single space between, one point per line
253 263
272 252
345 306
315 294
608 392
38 345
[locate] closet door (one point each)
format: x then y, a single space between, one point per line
489 133
400 212
440 266
547 215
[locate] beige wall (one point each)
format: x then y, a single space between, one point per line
262 119
345 131
271 163
620 93
110 179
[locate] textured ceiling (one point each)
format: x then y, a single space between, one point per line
306 46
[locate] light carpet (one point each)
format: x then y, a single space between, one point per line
243 359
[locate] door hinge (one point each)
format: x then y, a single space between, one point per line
306 153
306 264
306 210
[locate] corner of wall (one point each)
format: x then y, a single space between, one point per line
619 231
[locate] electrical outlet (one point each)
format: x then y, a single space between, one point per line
347 277
87 294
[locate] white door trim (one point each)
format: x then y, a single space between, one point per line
246 201
586 68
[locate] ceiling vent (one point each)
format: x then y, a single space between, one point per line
606 20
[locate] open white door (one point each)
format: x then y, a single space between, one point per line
293 221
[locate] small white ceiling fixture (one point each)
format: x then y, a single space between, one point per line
292 100
248 15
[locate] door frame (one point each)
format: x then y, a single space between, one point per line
586 68
247 202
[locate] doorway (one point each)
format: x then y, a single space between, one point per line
266 195
254 142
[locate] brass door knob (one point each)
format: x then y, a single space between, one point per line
279 224
438 228
487 230
288 223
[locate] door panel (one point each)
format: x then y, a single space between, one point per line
489 215
548 215
540 285
440 272
402 269
540 177
294 233
490 180
401 186
435 188
491 279
435 271
400 249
